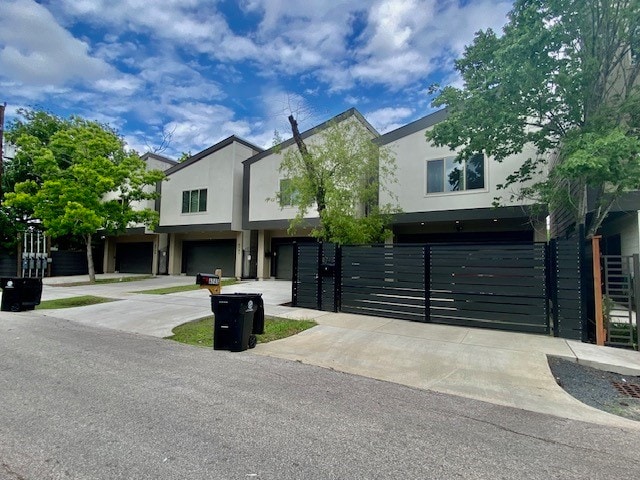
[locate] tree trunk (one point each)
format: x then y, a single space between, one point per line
298 138
92 269
321 204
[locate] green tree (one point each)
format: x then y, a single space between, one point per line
341 175
29 131
84 181
563 77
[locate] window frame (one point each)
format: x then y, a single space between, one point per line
287 201
447 187
194 201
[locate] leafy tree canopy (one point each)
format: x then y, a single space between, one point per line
31 130
340 174
563 77
84 180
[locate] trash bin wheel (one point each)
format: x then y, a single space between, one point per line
15 307
252 341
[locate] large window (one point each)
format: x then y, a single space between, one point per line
194 201
448 175
288 193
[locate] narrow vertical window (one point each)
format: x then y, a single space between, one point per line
435 176
185 201
202 201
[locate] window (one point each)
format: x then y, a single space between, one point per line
194 201
448 175
288 194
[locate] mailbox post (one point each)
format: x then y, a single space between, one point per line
210 281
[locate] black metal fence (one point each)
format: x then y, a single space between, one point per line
8 265
527 287
499 286
384 280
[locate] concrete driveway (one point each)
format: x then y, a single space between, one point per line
503 368
148 314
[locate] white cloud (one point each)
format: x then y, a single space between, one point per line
388 118
406 40
200 125
180 64
35 49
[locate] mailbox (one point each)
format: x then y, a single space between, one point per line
210 281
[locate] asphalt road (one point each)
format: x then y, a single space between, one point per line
78 402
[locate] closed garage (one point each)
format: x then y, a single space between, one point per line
282 257
284 261
134 257
206 256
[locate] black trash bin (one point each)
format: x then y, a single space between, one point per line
238 318
20 294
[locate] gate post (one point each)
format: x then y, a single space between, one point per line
294 277
552 289
597 290
319 277
337 280
427 283
636 282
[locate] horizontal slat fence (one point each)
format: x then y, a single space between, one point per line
501 286
305 275
384 280
567 296
328 300
8 265
496 286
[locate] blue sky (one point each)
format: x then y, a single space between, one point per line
201 70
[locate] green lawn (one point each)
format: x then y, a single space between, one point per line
106 280
200 332
72 302
182 288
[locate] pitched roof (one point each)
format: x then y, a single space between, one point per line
161 158
218 146
318 128
413 127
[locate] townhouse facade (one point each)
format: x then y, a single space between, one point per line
219 208
266 217
139 249
444 200
201 212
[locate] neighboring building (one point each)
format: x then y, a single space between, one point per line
138 250
201 212
446 201
266 218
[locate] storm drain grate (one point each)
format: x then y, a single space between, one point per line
628 389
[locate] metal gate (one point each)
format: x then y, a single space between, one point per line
620 290
314 283
384 280
495 286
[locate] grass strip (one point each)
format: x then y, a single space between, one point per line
200 332
103 281
182 288
71 302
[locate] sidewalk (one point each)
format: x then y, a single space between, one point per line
503 368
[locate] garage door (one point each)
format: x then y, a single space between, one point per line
134 257
206 256
284 261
